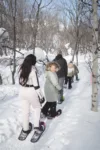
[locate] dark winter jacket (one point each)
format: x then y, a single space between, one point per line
64 68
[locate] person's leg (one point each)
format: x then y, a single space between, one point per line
38 128
25 114
72 79
34 100
77 77
70 83
36 117
45 109
53 109
27 127
61 83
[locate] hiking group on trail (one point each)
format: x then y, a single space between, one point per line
57 73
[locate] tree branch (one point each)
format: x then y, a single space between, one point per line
88 3
47 4
5 46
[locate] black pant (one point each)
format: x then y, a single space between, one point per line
49 109
72 79
77 77
69 82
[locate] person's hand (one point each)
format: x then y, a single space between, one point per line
60 91
42 100
40 96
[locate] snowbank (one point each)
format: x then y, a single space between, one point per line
64 131
39 53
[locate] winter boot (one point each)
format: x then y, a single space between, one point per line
23 135
38 132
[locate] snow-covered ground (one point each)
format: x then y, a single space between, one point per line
78 128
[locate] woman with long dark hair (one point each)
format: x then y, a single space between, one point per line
30 95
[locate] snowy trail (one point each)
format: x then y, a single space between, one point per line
76 129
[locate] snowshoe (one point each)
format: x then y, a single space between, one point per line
23 135
38 132
58 113
50 117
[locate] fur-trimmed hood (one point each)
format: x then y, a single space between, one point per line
52 63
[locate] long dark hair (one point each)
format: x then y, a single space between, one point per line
25 69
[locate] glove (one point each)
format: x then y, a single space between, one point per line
42 100
40 96
60 91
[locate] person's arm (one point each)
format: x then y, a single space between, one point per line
77 70
66 70
54 81
35 82
73 73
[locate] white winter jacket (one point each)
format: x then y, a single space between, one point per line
31 92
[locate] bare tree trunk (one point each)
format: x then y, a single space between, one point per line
1 82
77 33
5 49
1 51
77 54
1 22
77 59
14 45
35 30
76 47
35 33
74 50
95 56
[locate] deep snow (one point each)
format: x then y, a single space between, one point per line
78 128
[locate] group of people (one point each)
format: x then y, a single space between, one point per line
57 74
